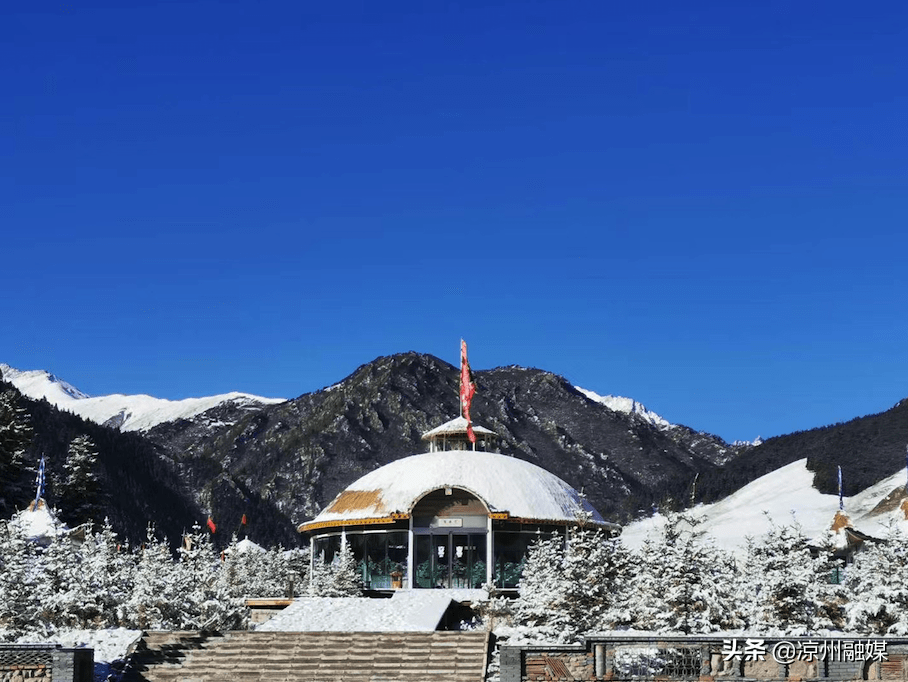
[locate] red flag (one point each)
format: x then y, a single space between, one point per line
467 389
243 522
211 525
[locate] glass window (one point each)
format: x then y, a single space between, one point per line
397 558
468 560
327 547
511 549
381 558
423 570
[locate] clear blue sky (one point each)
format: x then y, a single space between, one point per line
701 205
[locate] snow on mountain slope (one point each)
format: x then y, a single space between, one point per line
129 412
774 497
39 384
627 405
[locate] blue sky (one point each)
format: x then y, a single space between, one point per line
699 205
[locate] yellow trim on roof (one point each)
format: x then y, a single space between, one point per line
397 516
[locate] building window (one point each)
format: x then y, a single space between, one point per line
326 547
381 558
450 560
510 548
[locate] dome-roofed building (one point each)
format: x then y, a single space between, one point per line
453 517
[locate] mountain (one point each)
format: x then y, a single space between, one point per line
301 453
135 485
124 412
280 462
868 449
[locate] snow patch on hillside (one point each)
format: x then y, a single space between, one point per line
628 406
774 498
128 412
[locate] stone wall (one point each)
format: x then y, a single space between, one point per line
45 663
708 659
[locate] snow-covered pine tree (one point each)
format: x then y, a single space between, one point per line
19 611
155 602
783 580
597 571
264 573
80 488
684 583
207 602
544 591
340 578
832 596
56 586
104 580
877 585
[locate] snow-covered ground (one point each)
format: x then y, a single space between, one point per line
405 611
134 412
628 406
772 499
109 645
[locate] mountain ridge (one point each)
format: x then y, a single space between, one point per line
137 412
280 463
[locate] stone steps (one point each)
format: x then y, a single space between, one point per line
250 656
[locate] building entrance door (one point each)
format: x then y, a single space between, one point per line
450 560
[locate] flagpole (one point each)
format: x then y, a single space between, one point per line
460 389
39 480
841 498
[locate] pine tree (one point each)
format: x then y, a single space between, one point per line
104 580
684 583
16 435
56 588
573 587
877 583
783 579
19 611
155 600
337 579
207 603
543 591
80 489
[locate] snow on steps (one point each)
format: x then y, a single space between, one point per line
252 656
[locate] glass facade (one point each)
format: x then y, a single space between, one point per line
450 560
326 547
450 531
381 558
454 559
510 550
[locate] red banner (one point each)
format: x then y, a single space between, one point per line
211 525
467 389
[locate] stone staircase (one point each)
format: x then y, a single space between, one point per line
250 656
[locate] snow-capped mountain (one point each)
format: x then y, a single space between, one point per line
126 412
628 406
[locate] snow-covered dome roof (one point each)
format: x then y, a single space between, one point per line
508 486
